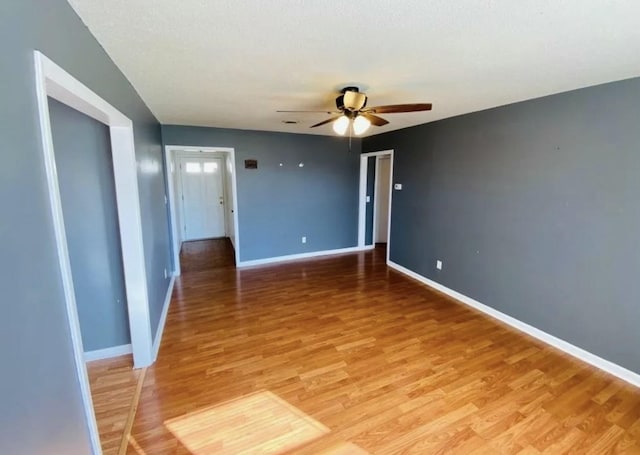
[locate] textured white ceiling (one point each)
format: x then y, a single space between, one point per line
234 63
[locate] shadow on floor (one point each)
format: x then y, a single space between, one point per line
199 255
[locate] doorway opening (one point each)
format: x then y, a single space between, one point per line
382 193
376 185
203 207
54 82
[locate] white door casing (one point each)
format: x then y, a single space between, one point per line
173 153
362 204
177 225
53 81
230 202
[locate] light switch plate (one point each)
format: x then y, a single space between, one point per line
397 186
368 198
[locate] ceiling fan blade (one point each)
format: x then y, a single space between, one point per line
397 108
312 112
326 121
374 119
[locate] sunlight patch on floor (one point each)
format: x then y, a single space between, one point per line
344 448
132 443
257 423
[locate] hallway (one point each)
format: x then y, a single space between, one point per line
113 381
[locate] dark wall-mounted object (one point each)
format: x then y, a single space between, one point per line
251 164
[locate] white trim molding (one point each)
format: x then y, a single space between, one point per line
53 81
564 346
107 353
295 257
362 198
170 153
163 318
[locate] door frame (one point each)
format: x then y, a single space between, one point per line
374 233
362 200
171 151
53 81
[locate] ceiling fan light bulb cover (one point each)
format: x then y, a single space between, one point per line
354 100
340 125
360 125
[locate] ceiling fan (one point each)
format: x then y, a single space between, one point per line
354 115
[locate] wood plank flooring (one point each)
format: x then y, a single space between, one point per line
260 423
200 255
384 363
113 383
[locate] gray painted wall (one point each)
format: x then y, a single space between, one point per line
41 410
534 208
278 205
87 190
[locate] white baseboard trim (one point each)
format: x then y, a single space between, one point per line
579 353
163 318
108 353
294 257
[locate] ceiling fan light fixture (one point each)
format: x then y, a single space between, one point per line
360 125
351 114
354 100
341 125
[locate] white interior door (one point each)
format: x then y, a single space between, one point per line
203 204
382 199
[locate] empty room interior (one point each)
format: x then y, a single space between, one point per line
365 227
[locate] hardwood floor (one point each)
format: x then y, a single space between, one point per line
200 255
383 363
113 383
